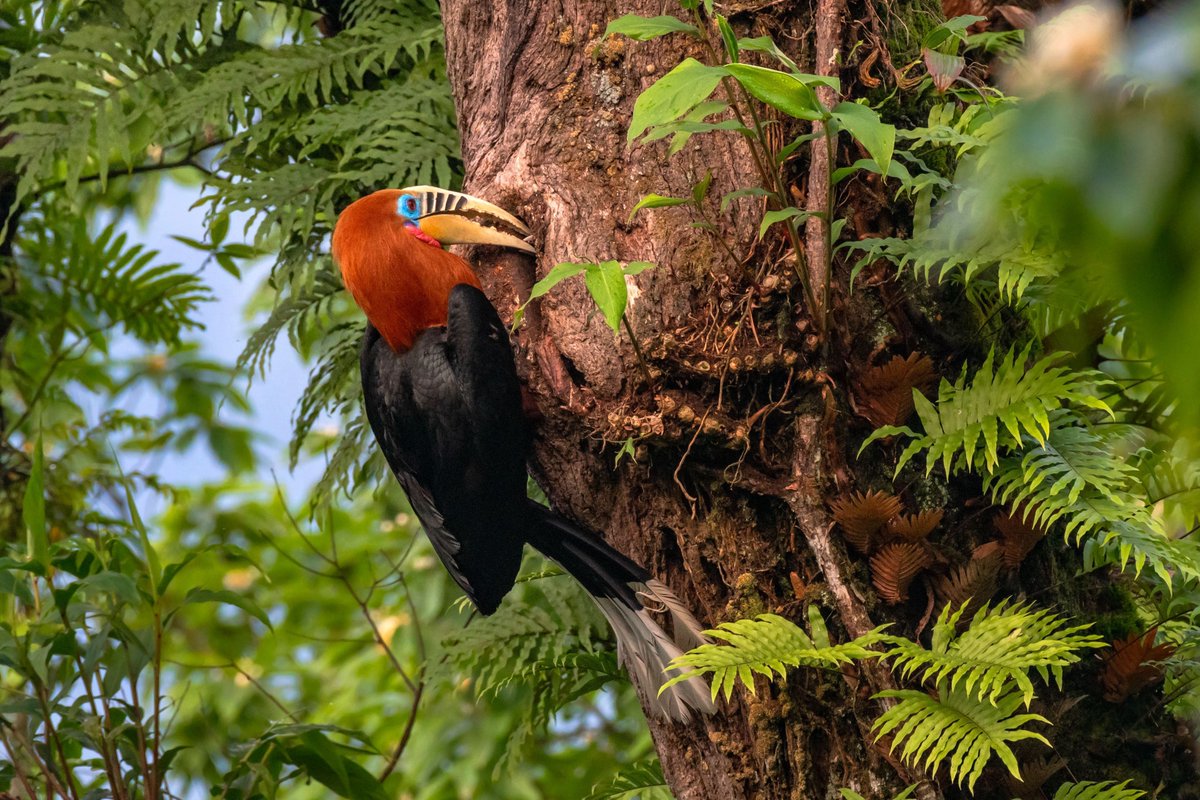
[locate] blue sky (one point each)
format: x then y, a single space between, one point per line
223 337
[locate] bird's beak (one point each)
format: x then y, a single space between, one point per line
456 218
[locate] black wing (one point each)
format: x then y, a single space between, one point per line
447 415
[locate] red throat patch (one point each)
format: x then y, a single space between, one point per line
416 231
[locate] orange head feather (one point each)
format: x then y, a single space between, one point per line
400 277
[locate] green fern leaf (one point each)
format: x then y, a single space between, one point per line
972 420
956 730
996 653
766 645
536 635
1092 790
101 282
1083 481
642 781
1070 460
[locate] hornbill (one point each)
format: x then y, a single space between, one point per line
444 401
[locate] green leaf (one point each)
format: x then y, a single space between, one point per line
995 655
700 190
779 90
945 37
642 781
227 597
557 275
752 191
956 730
153 565
322 760
673 95
727 36
657 201
626 450
766 645
779 215
606 284
864 124
644 28
33 509
1102 790
895 170
122 586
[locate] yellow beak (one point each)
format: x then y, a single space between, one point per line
457 218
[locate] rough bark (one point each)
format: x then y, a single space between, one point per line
544 104
741 441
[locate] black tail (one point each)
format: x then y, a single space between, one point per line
624 591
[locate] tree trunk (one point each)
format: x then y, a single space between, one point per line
544 104
739 430
736 446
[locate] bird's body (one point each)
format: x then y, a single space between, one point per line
447 414
443 399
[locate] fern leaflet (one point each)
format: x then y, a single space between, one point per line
642 781
767 645
994 655
957 728
1093 790
973 419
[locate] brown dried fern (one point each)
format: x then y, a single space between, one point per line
913 527
894 567
975 581
884 394
861 516
1126 671
1034 774
1019 535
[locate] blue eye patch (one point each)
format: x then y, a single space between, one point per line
409 207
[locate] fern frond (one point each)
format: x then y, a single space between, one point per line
307 303
1067 461
1134 664
356 461
1082 480
1121 529
1018 535
895 566
884 393
103 282
956 730
332 385
642 781
996 652
938 256
971 584
530 636
1170 475
1093 790
973 419
914 527
861 516
767 645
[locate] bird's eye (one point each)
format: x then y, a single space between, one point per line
409 206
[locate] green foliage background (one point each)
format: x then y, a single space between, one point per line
243 641
248 643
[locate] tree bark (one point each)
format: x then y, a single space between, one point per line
740 435
736 451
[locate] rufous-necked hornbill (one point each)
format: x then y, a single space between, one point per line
444 401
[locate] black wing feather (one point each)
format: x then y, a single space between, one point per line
447 415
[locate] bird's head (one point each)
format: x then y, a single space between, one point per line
389 248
